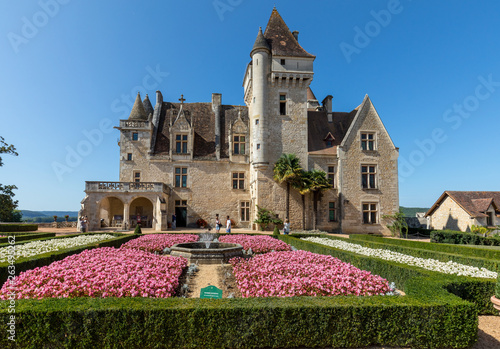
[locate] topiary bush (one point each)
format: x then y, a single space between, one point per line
138 229
276 231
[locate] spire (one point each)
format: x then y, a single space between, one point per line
138 112
260 43
148 107
282 41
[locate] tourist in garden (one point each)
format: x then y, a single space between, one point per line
228 225
82 224
174 221
286 227
217 223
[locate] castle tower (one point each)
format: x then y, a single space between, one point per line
276 84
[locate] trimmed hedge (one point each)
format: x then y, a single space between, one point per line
419 231
23 264
471 251
400 274
24 237
18 227
490 259
443 321
461 238
497 291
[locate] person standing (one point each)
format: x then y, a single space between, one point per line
286 227
85 224
82 224
228 225
217 223
174 221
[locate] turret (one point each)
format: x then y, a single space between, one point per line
260 69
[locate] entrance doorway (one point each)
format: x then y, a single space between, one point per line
181 215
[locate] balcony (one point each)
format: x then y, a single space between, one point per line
133 124
130 187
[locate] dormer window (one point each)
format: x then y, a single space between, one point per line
329 140
239 144
283 62
181 144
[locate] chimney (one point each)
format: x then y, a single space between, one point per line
327 105
295 34
216 108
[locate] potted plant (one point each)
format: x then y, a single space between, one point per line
55 218
496 298
66 217
201 223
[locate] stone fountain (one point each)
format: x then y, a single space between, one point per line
208 250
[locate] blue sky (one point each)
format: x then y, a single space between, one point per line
70 69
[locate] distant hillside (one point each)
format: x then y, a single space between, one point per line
411 211
34 214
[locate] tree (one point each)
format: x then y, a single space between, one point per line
303 185
287 169
7 202
397 224
318 183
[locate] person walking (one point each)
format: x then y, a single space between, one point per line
174 221
228 225
286 227
217 223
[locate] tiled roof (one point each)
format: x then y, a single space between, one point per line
319 127
138 112
282 41
202 119
473 202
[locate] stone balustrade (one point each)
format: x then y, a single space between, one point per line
133 187
134 124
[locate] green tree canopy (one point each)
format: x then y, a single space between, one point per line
287 169
7 203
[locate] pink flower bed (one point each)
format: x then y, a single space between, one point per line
302 273
258 243
101 272
158 242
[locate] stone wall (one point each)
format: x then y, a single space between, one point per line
449 215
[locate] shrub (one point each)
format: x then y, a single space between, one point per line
22 236
276 231
461 238
138 229
18 227
497 291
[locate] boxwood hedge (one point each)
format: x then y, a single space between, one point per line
461 238
24 237
429 316
18 227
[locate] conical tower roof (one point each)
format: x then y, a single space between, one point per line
260 43
282 41
148 107
138 112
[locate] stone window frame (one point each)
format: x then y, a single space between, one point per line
238 143
332 209
244 211
180 177
129 157
181 143
283 107
370 212
180 203
368 174
135 136
372 141
136 176
330 175
238 181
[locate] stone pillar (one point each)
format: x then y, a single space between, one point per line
126 223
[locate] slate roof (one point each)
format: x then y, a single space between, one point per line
281 40
148 108
260 43
319 127
202 119
475 203
138 112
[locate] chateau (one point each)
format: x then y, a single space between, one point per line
200 159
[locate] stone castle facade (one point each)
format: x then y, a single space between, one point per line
200 159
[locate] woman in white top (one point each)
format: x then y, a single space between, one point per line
228 225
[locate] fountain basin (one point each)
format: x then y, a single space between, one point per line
215 253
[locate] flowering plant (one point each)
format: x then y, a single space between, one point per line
201 222
302 273
449 267
156 243
258 243
34 248
101 272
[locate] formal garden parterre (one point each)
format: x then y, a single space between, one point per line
439 310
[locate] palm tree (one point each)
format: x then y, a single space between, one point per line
287 169
303 185
319 183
